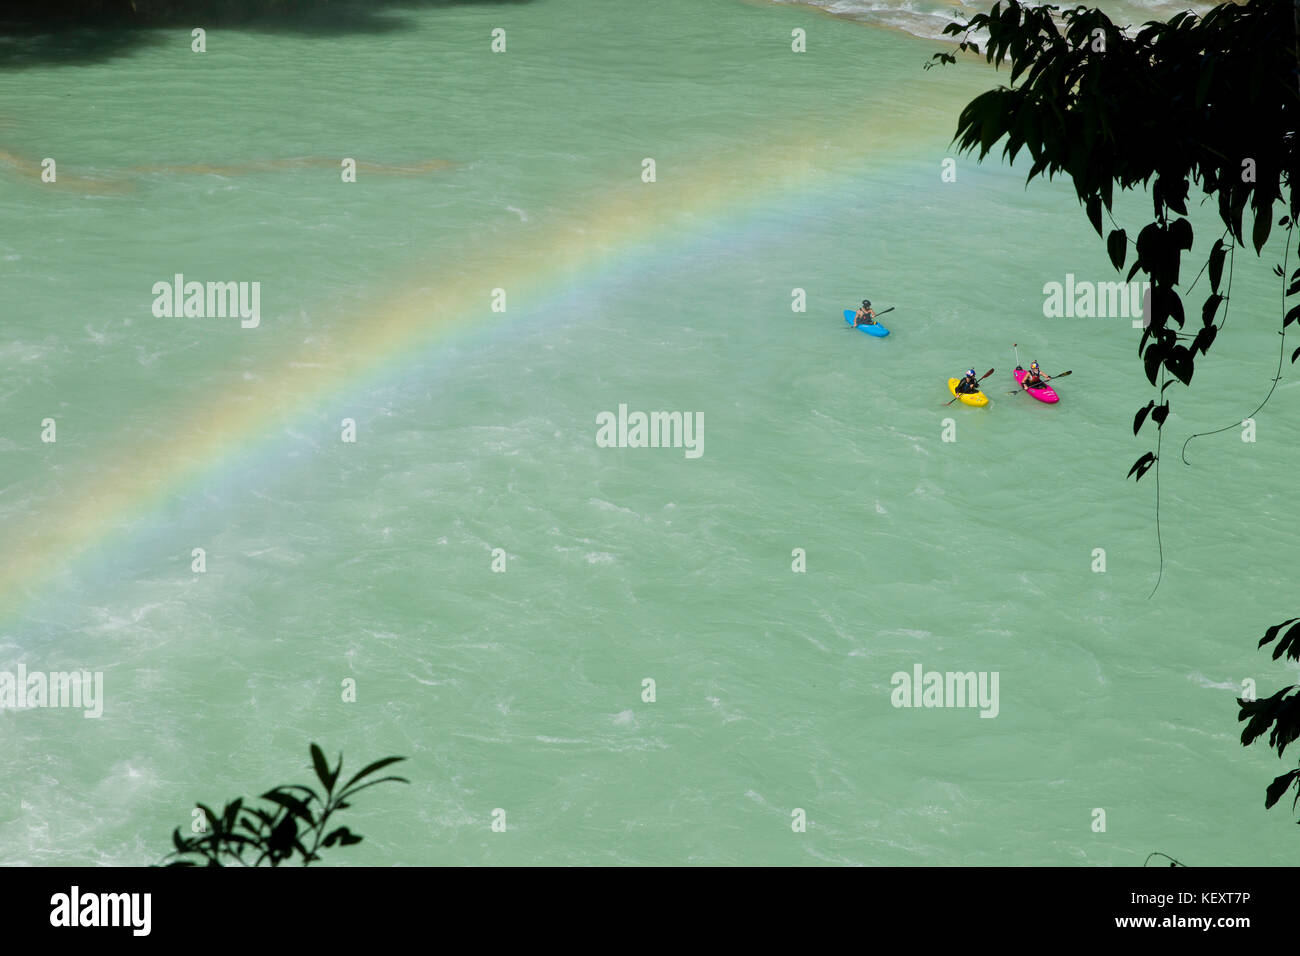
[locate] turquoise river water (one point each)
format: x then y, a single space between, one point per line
499 274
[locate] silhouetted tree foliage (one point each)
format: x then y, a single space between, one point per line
295 821
1278 715
1204 101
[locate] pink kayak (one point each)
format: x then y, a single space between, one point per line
1044 393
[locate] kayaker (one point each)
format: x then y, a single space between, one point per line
970 384
866 315
1034 378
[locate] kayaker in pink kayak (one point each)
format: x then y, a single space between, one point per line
1034 378
866 315
969 385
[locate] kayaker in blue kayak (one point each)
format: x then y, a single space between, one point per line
970 384
866 315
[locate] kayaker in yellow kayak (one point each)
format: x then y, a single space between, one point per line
866 315
968 385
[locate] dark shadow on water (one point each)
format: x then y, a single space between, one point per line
26 45
79 32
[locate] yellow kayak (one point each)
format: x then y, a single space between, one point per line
977 399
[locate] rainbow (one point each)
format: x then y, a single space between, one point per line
134 479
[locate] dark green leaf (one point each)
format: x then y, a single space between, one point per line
1141 465
342 836
1093 207
1141 416
322 769
1210 308
371 768
231 814
1261 714
1217 255
1289 644
1279 786
1151 360
357 789
1204 339
1180 364
1117 247
1272 632
294 806
1263 223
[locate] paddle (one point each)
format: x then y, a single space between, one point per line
980 379
1049 378
878 315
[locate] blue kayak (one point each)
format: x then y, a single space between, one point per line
877 330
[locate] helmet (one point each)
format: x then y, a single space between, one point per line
970 372
1034 366
867 303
